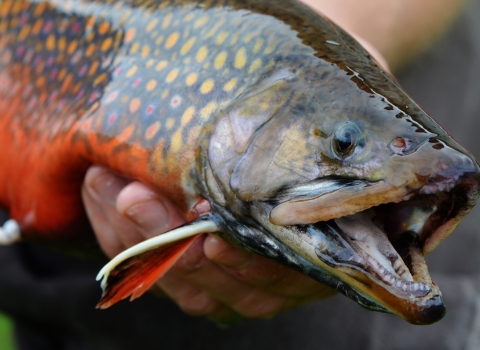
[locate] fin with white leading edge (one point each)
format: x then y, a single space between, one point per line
134 271
9 232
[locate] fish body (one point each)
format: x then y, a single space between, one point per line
260 120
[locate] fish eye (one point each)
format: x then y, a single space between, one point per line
346 139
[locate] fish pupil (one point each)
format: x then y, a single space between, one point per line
344 143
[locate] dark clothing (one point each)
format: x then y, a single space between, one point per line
52 296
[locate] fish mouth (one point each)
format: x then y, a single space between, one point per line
379 251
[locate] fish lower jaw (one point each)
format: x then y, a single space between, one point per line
401 285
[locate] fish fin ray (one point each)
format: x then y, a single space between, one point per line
133 272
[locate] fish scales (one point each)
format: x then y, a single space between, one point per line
130 85
260 120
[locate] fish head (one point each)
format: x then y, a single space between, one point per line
359 184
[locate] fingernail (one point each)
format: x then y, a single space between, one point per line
223 253
150 215
107 186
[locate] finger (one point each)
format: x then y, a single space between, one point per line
151 213
194 300
248 301
99 194
258 271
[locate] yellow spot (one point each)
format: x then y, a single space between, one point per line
130 34
241 58
165 94
208 110
187 61
24 32
188 115
132 71
202 54
135 47
51 42
221 37
258 45
161 65
248 38
230 85
153 23
176 141
167 20
189 17
269 49
170 123
90 50
62 43
103 28
201 21
220 60
150 63
135 105
172 75
172 40
107 44
151 85
214 29
37 27
93 68
100 79
124 99
159 40
207 86
38 11
187 46
145 51
206 65
152 130
191 79
72 47
255 65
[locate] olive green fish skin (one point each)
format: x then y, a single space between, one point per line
237 102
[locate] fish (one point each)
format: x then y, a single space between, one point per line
263 121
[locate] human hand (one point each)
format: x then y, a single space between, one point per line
212 278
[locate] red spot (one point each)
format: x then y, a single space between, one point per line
176 101
53 74
75 27
61 104
137 82
63 26
80 94
118 71
37 61
112 96
150 109
112 119
23 20
20 50
83 70
52 96
48 26
93 97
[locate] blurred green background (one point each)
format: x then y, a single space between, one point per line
6 335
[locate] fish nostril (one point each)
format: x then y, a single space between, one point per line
399 142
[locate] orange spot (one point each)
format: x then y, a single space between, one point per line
125 135
151 85
172 75
93 68
90 22
103 28
62 43
152 130
37 27
51 42
72 47
135 105
145 51
39 10
107 44
66 83
172 40
130 35
90 50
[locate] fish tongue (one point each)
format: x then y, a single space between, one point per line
374 243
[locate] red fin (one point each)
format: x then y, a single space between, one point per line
136 275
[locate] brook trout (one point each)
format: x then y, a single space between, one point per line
264 122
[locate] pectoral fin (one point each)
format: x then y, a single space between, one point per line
134 271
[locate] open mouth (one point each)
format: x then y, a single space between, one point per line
380 249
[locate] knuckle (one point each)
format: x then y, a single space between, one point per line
259 307
200 304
